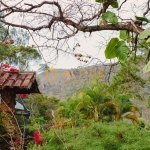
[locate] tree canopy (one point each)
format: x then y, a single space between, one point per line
14 49
52 24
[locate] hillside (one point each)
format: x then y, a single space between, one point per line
64 82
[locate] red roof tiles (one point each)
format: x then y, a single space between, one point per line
19 82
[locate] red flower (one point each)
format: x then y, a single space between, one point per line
24 95
6 42
17 143
28 141
11 41
13 70
37 137
75 55
6 65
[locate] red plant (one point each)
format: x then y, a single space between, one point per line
13 70
6 42
5 65
11 41
17 143
28 141
37 137
23 95
75 55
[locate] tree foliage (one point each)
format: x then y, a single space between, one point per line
19 56
14 49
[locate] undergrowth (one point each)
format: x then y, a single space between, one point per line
97 136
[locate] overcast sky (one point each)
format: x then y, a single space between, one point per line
93 44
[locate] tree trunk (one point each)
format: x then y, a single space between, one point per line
9 130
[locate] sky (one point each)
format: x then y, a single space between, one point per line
89 46
94 45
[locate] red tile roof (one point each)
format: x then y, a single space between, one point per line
20 82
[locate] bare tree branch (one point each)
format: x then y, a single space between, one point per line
122 4
118 26
148 8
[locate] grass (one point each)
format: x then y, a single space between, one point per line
97 136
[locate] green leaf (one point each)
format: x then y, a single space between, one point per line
123 35
142 19
146 68
116 48
110 49
144 34
81 95
122 51
114 4
148 40
96 89
99 1
111 17
92 94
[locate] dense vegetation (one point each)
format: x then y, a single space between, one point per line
96 136
97 116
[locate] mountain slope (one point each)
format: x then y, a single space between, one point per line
64 82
